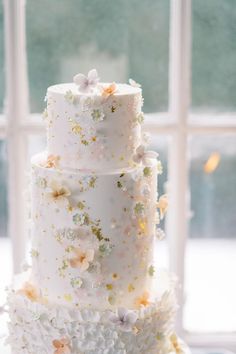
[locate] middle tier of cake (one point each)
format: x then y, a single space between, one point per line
93 234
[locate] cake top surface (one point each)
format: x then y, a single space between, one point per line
121 89
91 85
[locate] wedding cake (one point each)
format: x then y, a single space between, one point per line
93 286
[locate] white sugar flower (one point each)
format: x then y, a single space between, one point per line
134 83
58 192
141 155
70 97
87 83
124 319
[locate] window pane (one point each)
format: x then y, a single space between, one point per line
214 55
122 39
36 144
211 250
1 59
160 145
3 190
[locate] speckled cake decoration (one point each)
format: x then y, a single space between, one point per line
93 285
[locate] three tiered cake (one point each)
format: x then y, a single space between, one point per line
93 286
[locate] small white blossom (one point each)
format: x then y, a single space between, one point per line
134 83
87 83
141 155
124 319
70 97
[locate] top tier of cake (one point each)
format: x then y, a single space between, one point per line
97 129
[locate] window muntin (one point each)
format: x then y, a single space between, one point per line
213 55
1 59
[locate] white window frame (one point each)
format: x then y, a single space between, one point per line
19 125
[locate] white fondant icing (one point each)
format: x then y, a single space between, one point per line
89 130
93 234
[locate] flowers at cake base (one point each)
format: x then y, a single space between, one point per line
109 90
124 319
87 83
162 205
30 291
143 300
62 346
82 259
58 192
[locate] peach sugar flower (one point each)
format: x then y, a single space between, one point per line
51 162
30 292
176 346
82 259
109 90
62 346
142 301
58 192
162 205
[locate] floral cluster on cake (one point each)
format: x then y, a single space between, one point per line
95 218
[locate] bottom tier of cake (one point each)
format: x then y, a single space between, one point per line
38 327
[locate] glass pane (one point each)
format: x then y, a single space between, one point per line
3 190
160 145
214 55
211 249
36 144
1 58
122 39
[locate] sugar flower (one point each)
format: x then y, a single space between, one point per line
30 292
143 300
51 162
109 90
162 205
139 208
87 83
81 219
82 259
70 97
175 344
124 319
134 83
141 155
62 346
105 249
97 115
58 192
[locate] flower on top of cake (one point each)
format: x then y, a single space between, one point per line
52 161
124 319
62 346
88 83
109 90
58 192
82 259
134 83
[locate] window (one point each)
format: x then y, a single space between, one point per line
183 53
